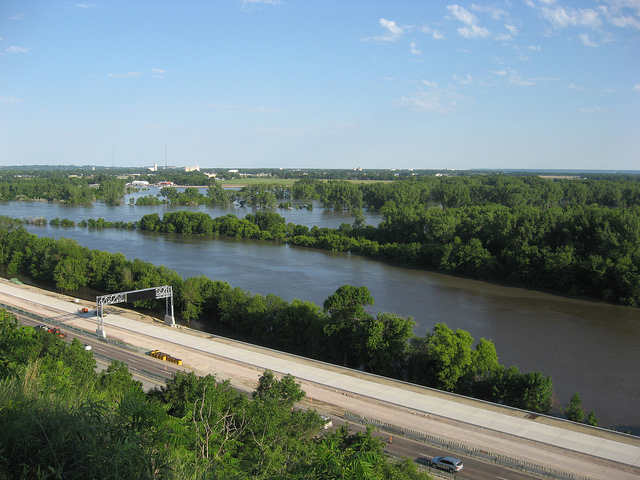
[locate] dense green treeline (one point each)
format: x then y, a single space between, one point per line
334 194
460 191
61 419
63 189
339 190
573 237
577 250
341 331
510 191
580 251
447 192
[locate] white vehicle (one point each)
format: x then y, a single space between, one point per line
327 421
449 464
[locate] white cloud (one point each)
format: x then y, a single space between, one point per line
619 13
19 16
471 28
158 72
9 100
533 48
85 5
462 14
513 30
622 13
575 87
393 31
625 21
17 50
414 49
473 31
390 25
636 87
561 17
499 72
584 38
430 31
126 75
464 81
496 13
503 37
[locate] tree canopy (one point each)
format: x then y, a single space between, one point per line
61 419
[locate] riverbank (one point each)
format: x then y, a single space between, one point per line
206 354
580 344
150 320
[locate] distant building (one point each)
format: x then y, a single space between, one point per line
165 184
140 183
192 169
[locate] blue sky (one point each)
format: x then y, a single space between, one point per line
535 84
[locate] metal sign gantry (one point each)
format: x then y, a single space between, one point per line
165 291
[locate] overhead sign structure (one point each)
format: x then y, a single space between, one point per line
135 296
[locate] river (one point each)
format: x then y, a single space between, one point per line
589 347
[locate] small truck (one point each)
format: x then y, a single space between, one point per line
57 331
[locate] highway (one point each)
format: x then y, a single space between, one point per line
395 445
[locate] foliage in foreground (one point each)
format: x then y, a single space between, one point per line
60 419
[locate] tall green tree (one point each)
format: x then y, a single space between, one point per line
347 316
71 273
218 195
448 357
574 411
285 391
383 343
